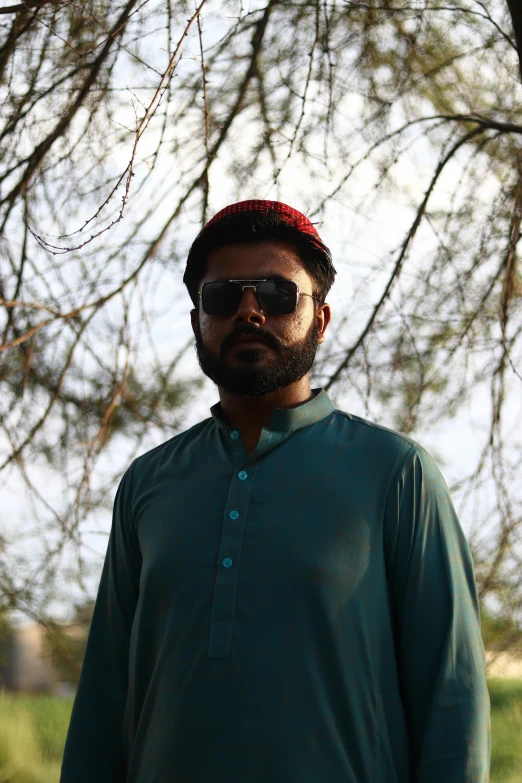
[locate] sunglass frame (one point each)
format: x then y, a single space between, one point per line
299 293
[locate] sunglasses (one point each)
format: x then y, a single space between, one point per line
275 297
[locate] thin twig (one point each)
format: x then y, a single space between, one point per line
401 257
128 173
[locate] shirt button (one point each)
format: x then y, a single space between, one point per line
234 513
234 434
242 475
227 562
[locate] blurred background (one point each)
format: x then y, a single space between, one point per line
396 127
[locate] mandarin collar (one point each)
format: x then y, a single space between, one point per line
310 412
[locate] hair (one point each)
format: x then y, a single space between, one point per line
254 227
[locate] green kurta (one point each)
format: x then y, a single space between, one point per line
306 614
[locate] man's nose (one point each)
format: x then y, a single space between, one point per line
249 308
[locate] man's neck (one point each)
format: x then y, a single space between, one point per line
250 415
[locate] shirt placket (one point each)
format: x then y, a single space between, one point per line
234 519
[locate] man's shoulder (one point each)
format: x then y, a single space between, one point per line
377 439
370 430
383 448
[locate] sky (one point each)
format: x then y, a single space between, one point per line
359 242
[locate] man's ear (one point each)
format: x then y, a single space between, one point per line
194 319
323 316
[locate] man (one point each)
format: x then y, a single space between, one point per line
287 595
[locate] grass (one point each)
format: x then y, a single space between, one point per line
33 729
506 730
32 736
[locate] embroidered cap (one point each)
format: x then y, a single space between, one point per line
289 214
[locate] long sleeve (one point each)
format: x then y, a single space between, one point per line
439 646
93 749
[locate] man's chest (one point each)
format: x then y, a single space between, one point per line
297 529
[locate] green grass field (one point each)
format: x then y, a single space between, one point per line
32 736
506 730
33 729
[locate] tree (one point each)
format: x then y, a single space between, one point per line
64 644
126 125
6 646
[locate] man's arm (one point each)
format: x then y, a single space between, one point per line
93 749
439 645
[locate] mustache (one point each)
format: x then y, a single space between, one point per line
260 334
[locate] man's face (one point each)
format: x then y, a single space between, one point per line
289 341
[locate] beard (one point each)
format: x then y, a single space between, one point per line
258 372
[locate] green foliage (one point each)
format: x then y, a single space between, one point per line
5 639
506 730
499 632
49 718
65 645
24 751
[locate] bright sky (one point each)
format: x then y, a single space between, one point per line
358 244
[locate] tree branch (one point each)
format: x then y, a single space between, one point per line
15 9
39 153
515 9
402 255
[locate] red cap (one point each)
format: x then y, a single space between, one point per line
291 215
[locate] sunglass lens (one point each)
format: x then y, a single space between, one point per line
220 298
277 297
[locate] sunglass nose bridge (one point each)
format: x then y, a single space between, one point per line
252 288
